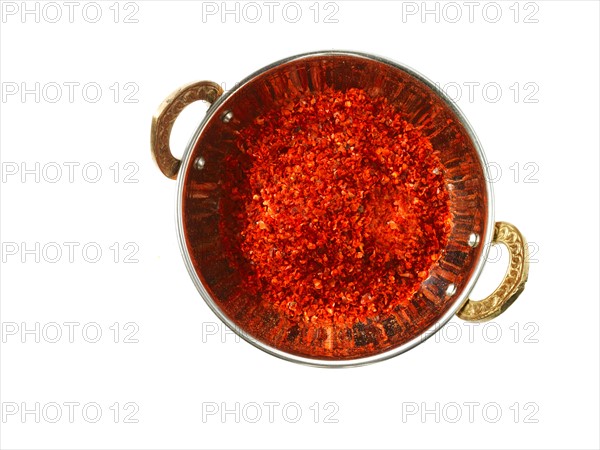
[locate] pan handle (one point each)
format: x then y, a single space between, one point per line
167 113
514 280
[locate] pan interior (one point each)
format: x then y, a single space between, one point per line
464 179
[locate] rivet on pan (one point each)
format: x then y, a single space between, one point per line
473 240
227 116
199 163
451 289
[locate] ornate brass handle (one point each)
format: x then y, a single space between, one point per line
513 283
163 120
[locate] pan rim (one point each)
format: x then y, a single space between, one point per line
316 362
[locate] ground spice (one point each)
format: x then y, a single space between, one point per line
335 207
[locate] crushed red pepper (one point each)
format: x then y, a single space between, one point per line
335 207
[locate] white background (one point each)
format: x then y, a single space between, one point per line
548 371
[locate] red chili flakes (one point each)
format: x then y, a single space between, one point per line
335 208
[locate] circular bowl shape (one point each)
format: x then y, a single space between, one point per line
450 278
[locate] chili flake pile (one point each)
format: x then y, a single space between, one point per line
335 208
